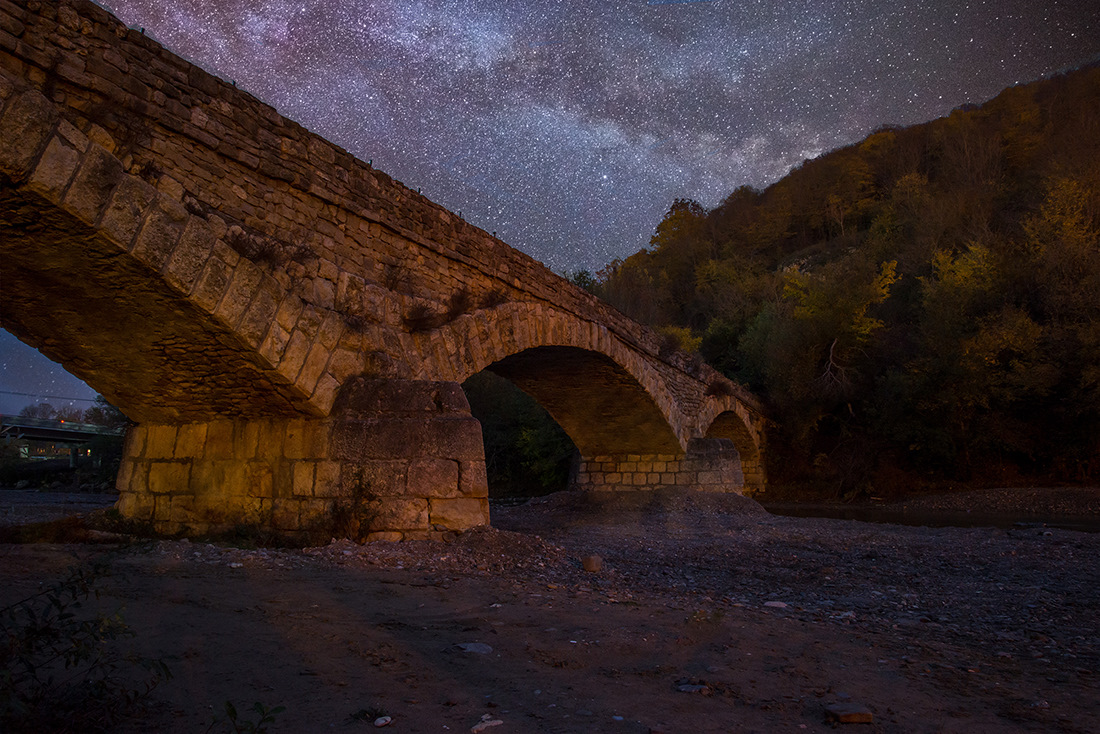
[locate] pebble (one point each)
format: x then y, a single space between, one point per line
477 647
487 721
693 688
382 721
775 604
849 713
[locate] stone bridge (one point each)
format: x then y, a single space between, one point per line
290 327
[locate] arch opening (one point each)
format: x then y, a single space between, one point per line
527 454
74 295
601 406
729 426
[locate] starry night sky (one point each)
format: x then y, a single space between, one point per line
568 127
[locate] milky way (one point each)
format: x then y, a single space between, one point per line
568 127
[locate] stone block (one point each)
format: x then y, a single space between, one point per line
685 478
28 124
345 363
133 445
135 506
125 469
274 345
54 170
185 265
190 441
260 479
326 480
158 236
258 319
305 439
246 439
242 287
314 513
93 184
472 479
219 440
126 211
211 284
139 477
397 513
303 479
161 442
285 513
169 477
182 512
459 514
312 369
295 356
384 536
269 439
385 479
218 480
433 478
325 393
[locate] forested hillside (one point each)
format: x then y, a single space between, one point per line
924 305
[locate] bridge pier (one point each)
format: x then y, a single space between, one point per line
710 464
397 459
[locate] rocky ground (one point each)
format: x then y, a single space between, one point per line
705 614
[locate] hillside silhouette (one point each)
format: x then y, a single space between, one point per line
922 306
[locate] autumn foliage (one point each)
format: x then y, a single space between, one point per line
922 305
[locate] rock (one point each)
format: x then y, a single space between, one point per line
382 721
592 564
848 713
775 604
693 688
486 722
477 647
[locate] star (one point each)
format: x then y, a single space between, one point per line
568 127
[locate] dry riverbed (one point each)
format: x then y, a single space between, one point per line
706 615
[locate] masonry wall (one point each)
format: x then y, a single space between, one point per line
710 465
397 460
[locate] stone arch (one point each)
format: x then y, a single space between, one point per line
566 363
733 422
596 401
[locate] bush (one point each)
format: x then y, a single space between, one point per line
59 671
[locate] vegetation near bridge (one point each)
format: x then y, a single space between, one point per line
922 305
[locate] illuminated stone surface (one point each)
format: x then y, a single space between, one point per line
288 325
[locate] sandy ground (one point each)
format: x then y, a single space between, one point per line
707 615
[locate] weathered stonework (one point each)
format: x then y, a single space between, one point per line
395 459
209 265
709 465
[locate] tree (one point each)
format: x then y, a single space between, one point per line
103 413
41 411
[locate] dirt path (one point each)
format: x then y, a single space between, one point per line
707 615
